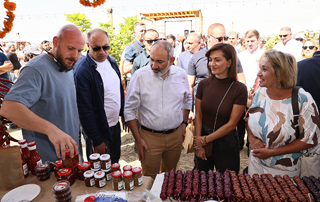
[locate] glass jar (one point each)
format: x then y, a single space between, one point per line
66 174
128 180
43 172
89 180
105 162
35 158
117 182
82 167
62 191
108 174
127 168
100 180
137 176
57 166
95 161
25 154
70 162
115 167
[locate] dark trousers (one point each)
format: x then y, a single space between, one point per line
113 146
241 130
225 153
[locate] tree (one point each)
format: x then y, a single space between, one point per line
271 42
80 20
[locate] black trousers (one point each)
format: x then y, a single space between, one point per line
225 153
241 130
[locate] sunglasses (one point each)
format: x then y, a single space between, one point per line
283 35
163 39
151 40
98 48
220 38
299 39
310 47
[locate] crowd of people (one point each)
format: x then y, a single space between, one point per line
227 85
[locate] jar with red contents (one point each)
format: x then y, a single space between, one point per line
35 158
95 161
128 180
89 180
62 191
66 174
117 182
25 154
43 172
82 167
57 166
115 167
137 176
100 179
105 161
70 162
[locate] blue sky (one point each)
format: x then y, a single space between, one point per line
37 20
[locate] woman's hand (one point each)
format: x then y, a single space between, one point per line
256 143
201 154
262 153
197 142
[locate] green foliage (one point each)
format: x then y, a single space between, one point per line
80 20
271 42
125 37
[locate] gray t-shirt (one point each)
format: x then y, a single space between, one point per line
51 95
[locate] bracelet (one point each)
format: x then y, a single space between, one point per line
205 140
198 148
202 142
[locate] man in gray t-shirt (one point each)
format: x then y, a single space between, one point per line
43 100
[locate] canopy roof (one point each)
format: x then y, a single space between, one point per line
171 15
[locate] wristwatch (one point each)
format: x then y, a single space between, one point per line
185 123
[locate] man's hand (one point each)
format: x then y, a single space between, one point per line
256 143
262 153
201 153
191 117
124 125
141 145
101 149
184 127
61 140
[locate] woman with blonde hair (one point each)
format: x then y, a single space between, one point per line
309 47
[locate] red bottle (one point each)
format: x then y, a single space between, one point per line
35 158
25 154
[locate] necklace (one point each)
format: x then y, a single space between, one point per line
56 61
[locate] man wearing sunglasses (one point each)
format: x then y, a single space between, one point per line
100 97
151 36
288 44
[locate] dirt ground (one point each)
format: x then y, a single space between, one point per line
128 156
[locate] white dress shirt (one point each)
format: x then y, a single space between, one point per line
293 47
158 102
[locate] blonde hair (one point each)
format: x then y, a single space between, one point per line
284 65
314 42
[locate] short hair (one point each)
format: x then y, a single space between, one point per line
167 46
252 32
44 41
213 26
198 36
286 28
284 65
171 36
235 33
138 24
94 30
151 30
229 53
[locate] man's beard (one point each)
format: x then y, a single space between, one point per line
161 72
63 64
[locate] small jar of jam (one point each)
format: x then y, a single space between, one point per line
105 162
95 161
70 162
100 179
128 180
115 167
57 166
89 180
137 176
66 174
43 172
117 182
108 174
127 168
62 191
82 167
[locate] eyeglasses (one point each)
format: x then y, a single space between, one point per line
310 47
163 39
299 39
98 48
285 35
220 38
149 41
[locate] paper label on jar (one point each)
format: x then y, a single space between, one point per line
108 165
120 185
131 185
25 169
102 182
39 162
96 165
109 176
92 182
140 181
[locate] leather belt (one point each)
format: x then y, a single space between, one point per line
159 131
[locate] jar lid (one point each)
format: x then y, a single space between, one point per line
64 171
127 174
23 141
105 157
58 163
116 174
61 186
88 173
42 168
127 168
115 166
94 156
84 165
95 170
99 174
31 144
136 170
